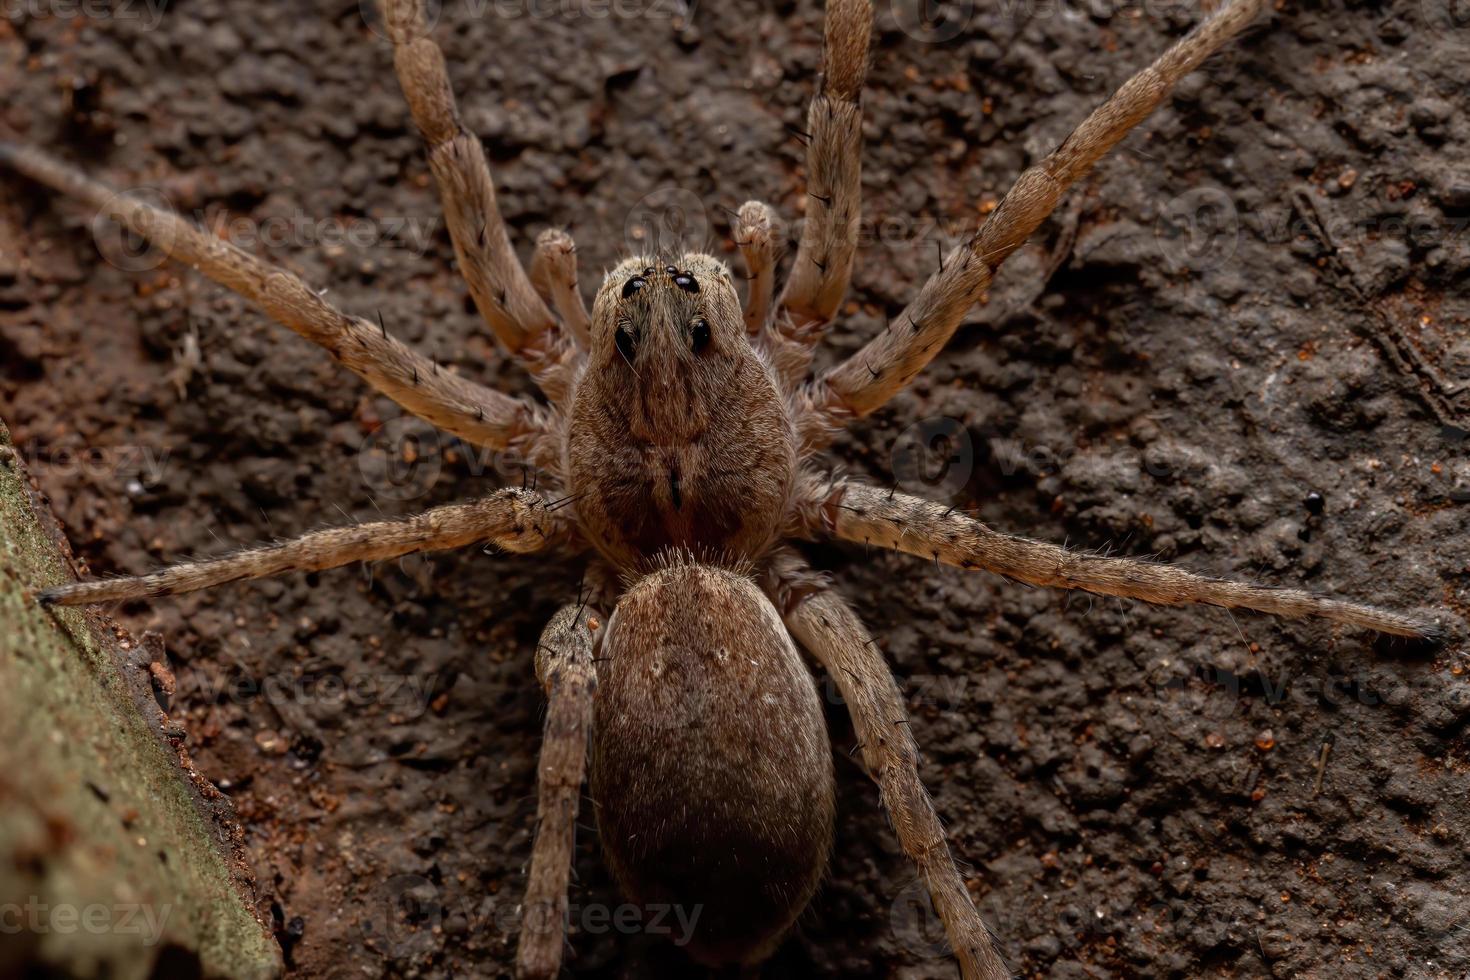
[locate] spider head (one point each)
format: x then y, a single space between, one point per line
669 345
660 322
679 435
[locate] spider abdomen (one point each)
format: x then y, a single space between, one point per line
711 767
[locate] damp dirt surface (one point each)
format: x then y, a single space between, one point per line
1241 345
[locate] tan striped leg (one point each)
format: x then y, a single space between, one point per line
499 284
515 520
478 414
554 274
822 268
755 235
823 623
887 519
888 362
564 667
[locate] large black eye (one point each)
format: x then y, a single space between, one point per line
633 285
626 345
699 335
686 282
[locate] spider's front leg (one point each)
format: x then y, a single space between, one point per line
501 288
473 412
822 268
755 235
554 274
885 365
564 668
853 511
822 621
516 520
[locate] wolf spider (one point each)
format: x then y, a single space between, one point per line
678 441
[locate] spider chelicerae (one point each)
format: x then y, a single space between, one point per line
678 448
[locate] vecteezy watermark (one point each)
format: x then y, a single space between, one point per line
941 692
298 230
147 13
1198 229
1445 15
411 909
571 10
405 696
114 229
1213 691
1202 228
120 245
403 459
1100 10
917 925
938 21
66 919
665 222
934 456
932 21
680 11
143 464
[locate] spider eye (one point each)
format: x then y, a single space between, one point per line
633 285
686 282
699 335
626 345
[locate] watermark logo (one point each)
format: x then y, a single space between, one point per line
120 245
1198 230
403 459
36 917
410 910
146 13
405 696
140 465
917 925
374 14
405 915
933 457
1445 15
115 230
932 21
667 221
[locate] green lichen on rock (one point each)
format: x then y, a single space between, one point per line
115 859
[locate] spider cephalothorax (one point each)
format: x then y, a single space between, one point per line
679 435
676 430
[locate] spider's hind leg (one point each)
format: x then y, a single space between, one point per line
824 623
565 670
